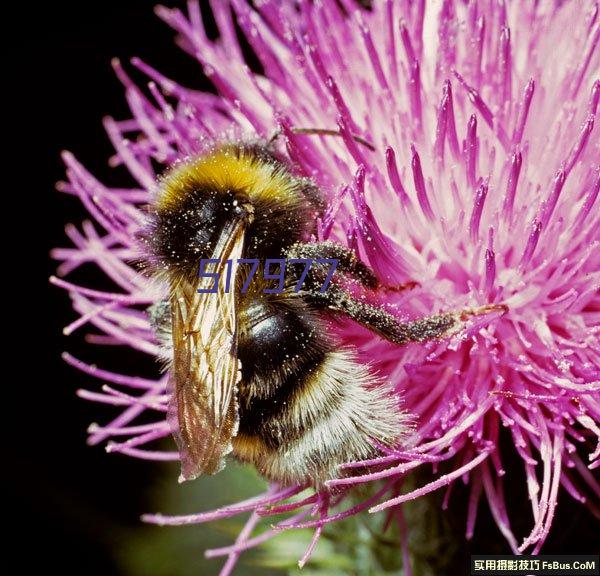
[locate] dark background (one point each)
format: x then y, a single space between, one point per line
79 502
76 505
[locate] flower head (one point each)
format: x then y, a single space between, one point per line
481 186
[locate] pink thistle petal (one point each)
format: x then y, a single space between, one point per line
523 112
419 183
394 176
243 537
443 481
478 204
316 535
249 505
256 540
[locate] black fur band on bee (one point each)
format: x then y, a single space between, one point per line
256 373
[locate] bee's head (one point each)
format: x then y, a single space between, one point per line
181 233
202 198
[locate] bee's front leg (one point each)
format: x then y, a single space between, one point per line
160 317
347 262
159 314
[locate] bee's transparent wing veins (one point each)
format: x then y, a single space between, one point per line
205 371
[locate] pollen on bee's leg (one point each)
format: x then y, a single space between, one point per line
483 310
504 308
448 324
472 319
409 285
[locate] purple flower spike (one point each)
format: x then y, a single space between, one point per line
482 187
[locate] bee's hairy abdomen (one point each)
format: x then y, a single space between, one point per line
305 406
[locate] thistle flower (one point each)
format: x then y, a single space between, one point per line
482 187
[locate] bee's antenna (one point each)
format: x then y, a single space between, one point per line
323 132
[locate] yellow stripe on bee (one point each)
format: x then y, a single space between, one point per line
226 168
250 448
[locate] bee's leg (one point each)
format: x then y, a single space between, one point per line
322 132
347 262
159 313
391 328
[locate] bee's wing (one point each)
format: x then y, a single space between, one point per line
203 411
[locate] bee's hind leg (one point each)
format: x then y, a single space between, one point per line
337 301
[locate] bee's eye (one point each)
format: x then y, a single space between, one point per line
243 208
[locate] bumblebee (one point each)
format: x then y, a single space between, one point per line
256 373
